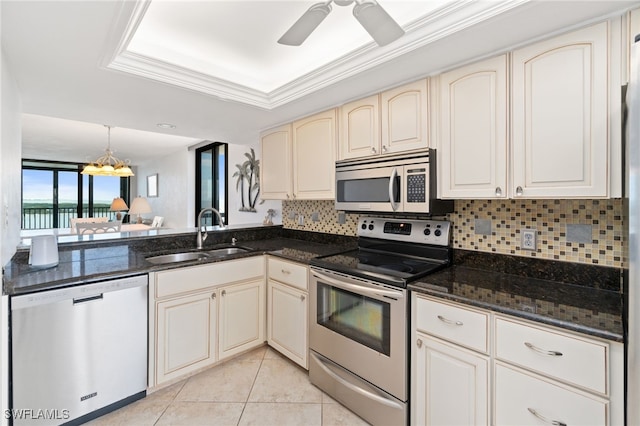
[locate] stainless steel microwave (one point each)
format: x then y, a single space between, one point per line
404 183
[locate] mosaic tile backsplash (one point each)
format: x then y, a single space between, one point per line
495 226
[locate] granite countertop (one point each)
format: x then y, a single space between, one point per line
86 263
592 307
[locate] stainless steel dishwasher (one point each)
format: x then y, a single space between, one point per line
78 352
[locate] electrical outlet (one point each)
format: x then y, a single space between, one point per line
528 239
301 220
315 216
342 218
292 215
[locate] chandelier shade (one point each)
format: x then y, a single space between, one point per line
108 164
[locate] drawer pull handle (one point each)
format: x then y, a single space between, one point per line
448 321
542 351
546 420
284 271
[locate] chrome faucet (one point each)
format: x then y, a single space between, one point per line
202 235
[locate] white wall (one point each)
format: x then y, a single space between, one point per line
10 164
10 177
236 156
176 189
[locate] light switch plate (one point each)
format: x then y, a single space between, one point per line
528 239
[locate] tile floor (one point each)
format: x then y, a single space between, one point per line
260 387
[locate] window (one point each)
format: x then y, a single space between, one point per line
211 181
55 192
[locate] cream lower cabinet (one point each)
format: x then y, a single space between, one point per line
450 370
202 314
242 312
470 366
186 334
450 383
288 308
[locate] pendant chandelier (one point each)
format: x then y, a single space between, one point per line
108 165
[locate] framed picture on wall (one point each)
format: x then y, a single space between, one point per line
152 185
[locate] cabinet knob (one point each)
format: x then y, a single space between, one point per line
224 292
384 148
498 192
284 271
213 296
373 150
546 420
288 196
302 298
419 343
519 191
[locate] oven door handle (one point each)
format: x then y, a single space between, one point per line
392 180
367 291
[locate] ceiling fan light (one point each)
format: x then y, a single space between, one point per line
305 25
377 22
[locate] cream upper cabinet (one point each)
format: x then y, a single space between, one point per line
560 116
314 156
360 128
275 170
473 131
404 118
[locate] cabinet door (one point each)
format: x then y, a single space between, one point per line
450 384
522 398
242 314
287 322
360 128
404 118
275 170
314 156
560 116
186 335
473 131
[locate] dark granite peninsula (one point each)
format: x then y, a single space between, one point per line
578 297
88 261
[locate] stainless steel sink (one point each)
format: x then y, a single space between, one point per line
177 257
195 255
226 251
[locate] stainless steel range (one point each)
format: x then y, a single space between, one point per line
359 314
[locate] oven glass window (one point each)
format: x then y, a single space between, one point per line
359 318
373 190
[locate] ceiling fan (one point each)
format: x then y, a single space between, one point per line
380 26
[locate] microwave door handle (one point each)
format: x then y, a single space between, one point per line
392 180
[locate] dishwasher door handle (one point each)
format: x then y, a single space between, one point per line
78 300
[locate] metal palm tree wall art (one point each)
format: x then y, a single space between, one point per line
248 171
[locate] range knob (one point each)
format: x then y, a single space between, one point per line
427 231
438 232
371 227
364 226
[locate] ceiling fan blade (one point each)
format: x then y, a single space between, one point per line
380 26
305 25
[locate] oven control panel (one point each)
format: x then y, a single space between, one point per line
436 232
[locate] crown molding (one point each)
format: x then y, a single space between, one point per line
439 24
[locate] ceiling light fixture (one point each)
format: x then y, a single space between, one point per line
108 165
375 20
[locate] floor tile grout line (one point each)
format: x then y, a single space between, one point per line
169 402
244 406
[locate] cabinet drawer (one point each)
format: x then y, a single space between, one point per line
522 398
578 361
454 323
287 272
184 280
